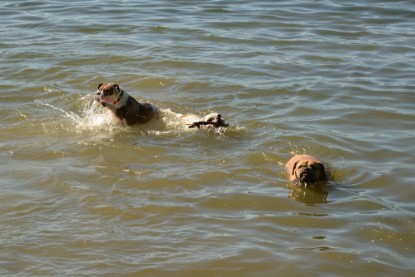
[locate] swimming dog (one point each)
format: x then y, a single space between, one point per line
130 112
306 170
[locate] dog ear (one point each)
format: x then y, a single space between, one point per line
100 85
322 170
293 169
117 87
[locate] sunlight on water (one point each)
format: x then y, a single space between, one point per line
82 194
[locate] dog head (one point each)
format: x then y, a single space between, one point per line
108 92
306 170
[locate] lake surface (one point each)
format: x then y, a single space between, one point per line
83 196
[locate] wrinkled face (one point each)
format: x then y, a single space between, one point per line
108 92
307 172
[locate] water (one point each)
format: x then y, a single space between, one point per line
82 196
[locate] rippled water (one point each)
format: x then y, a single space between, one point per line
82 196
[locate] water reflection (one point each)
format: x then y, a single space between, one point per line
310 195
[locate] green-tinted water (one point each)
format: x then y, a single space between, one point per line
82 196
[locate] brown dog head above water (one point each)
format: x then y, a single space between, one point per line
128 110
306 170
109 93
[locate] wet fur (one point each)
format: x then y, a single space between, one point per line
306 170
124 107
130 112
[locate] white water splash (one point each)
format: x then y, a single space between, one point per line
94 117
91 118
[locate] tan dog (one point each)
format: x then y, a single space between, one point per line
129 111
306 170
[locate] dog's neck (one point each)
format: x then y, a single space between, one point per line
122 100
